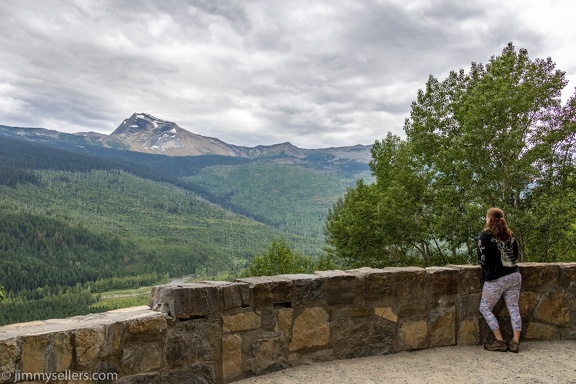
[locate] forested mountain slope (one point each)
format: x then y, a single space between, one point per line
79 219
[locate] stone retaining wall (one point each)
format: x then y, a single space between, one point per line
219 332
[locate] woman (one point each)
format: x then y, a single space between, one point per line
498 254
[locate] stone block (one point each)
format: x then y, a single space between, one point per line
348 312
88 343
102 367
243 321
553 308
308 290
568 276
185 301
442 328
410 282
192 374
572 309
362 272
267 354
234 295
469 306
413 309
470 278
568 333
359 289
311 329
379 287
59 356
231 357
8 356
363 337
539 275
149 325
270 290
33 355
142 356
386 313
573 313
442 285
192 341
486 335
114 335
339 287
268 316
469 332
539 331
310 356
528 302
413 335
284 322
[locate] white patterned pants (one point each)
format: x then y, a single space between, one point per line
509 287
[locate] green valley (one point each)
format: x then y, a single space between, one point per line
78 221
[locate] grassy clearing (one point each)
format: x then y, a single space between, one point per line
123 298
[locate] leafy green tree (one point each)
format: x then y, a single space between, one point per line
381 224
352 228
279 259
2 293
496 136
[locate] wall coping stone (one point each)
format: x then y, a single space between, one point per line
77 322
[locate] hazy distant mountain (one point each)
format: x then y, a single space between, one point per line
145 133
142 132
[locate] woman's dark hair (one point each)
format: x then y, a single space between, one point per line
496 223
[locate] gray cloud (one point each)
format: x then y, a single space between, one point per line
322 73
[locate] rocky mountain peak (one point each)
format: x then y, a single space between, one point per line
142 122
143 132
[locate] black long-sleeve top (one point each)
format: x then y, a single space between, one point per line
497 258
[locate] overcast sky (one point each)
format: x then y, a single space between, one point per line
250 72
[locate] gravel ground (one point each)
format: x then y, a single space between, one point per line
537 362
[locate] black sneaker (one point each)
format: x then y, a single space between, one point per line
497 346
